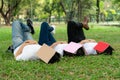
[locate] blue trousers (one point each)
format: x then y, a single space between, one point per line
45 35
20 33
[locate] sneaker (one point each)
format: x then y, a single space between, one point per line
53 32
10 49
30 24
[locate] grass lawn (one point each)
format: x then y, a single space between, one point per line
101 67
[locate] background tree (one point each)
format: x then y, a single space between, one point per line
102 11
48 8
32 5
97 10
117 9
7 9
76 9
57 12
68 7
84 8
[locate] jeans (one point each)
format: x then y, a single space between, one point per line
45 35
20 33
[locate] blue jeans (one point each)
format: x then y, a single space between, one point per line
45 35
20 33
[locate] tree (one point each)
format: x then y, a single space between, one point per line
76 8
68 9
51 6
30 6
7 9
117 9
48 8
97 10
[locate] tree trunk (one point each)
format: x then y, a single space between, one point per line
61 3
78 11
7 14
6 18
63 7
49 20
7 21
97 11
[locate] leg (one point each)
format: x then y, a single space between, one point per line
17 33
26 32
20 33
30 24
45 35
27 36
75 32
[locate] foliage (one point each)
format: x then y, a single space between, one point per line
7 9
117 9
101 67
76 9
44 10
117 1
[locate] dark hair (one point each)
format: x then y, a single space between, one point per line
55 58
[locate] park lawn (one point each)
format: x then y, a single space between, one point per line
100 67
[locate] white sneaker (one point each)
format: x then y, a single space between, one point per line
53 32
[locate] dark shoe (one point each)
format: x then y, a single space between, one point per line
30 24
10 49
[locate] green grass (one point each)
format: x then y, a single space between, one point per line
101 67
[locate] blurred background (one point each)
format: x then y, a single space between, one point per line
60 11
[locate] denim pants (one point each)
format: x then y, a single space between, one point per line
20 33
45 35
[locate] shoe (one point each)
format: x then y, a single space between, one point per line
53 31
85 23
30 24
10 49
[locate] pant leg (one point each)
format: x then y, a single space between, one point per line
26 32
75 32
45 35
27 36
19 33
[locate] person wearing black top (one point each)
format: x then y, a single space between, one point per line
75 31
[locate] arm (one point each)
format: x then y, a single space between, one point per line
58 42
87 41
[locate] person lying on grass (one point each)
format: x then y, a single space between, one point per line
25 47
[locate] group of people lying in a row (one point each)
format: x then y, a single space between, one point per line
26 48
